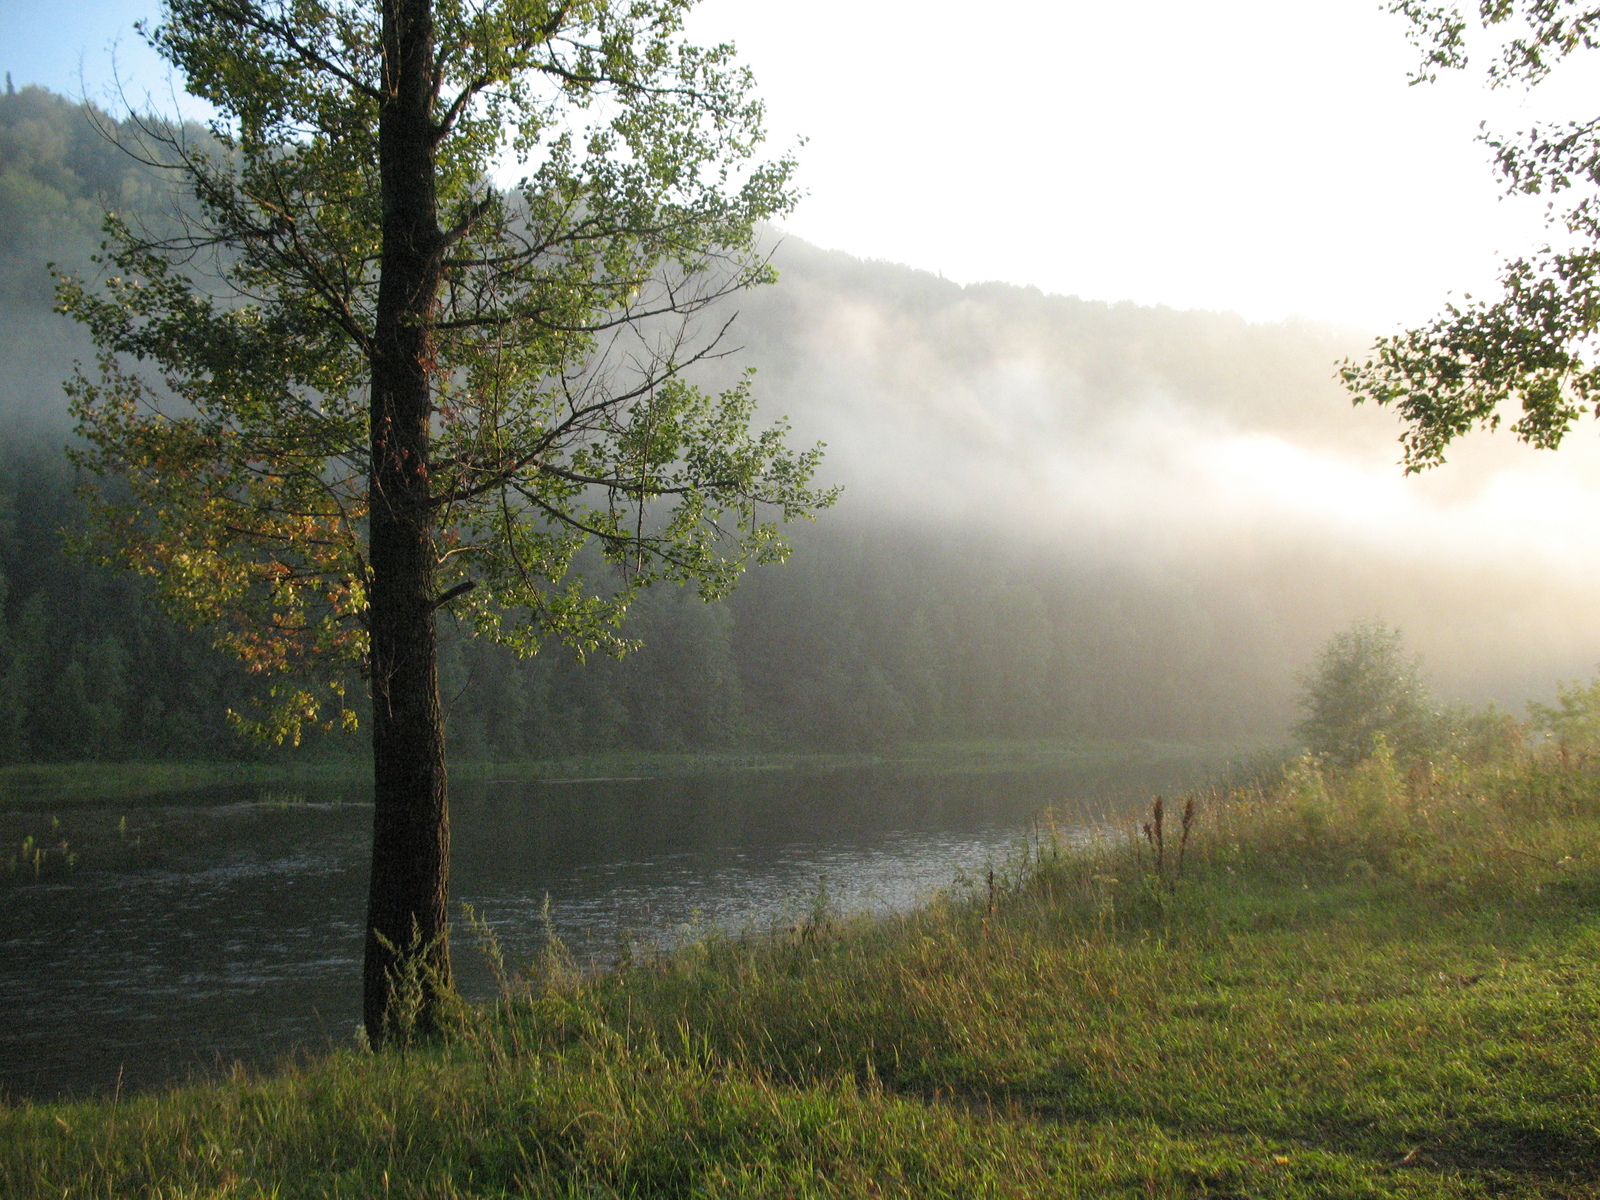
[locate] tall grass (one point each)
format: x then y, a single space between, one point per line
1375 983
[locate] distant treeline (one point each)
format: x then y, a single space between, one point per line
944 597
866 637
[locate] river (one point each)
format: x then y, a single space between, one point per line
224 925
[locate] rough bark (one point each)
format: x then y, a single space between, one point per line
406 943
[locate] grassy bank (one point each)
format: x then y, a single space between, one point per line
36 787
1378 985
53 787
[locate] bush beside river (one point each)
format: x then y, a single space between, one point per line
1378 982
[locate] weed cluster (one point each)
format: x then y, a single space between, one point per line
39 860
92 845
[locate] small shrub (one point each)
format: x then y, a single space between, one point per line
1362 687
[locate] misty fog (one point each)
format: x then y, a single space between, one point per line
1190 456
1060 518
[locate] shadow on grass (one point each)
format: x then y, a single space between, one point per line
1517 1148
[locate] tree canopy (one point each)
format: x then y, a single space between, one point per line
557 341
1525 355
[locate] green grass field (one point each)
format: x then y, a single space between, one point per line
1383 984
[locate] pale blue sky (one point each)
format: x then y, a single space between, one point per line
1253 155
73 45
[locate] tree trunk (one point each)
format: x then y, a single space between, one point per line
407 968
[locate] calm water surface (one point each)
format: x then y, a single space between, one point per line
226 926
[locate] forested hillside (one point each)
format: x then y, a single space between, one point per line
1061 518
88 667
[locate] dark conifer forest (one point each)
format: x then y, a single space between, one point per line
1023 547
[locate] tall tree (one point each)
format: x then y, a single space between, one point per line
354 382
1529 349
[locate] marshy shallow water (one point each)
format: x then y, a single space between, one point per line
225 925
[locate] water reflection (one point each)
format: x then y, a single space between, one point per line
232 932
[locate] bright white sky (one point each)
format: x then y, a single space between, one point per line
1253 155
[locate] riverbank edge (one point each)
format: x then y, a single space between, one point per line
32 787
1377 984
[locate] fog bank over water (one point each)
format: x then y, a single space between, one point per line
1215 462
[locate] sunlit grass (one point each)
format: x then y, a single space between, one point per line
1378 985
